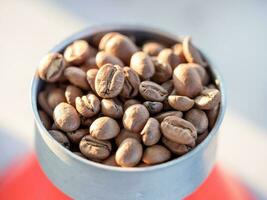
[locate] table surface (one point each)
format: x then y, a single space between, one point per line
233 34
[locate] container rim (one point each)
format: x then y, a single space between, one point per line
116 27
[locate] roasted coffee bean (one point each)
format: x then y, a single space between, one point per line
89 64
77 52
152 91
112 108
119 46
88 105
103 58
129 103
45 119
76 136
151 132
181 103
131 83
153 107
129 153
104 128
160 117
51 67
124 134
71 93
191 53
135 118
142 64
198 118
42 101
187 81
178 50
60 138
90 76
152 48
202 136
168 86
208 99
163 71
205 78
79 154
66 117
178 130
109 81
103 41
77 77
86 122
110 161
93 148
156 154
176 148
55 97
212 115
167 56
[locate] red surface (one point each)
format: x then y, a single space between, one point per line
25 180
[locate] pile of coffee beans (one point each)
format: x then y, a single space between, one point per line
123 104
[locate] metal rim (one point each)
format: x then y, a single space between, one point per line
101 28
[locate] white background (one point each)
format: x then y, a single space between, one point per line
232 33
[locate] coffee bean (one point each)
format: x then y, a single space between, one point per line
142 64
103 58
181 103
152 48
71 93
208 99
191 53
89 64
42 101
176 148
79 154
55 96
60 138
110 161
86 122
202 136
104 128
90 76
151 132
66 117
51 67
131 83
129 103
168 86
103 41
212 115
178 130
109 81
93 148
187 81
160 117
76 136
152 91
153 107
45 119
77 77
112 108
178 50
204 76
124 134
88 105
167 56
77 52
156 154
198 118
163 71
135 118
129 153
119 46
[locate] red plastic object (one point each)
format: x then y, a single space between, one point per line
25 180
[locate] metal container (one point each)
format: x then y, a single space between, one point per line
83 179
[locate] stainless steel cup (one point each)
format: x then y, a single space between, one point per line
83 179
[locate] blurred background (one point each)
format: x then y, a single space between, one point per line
232 33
